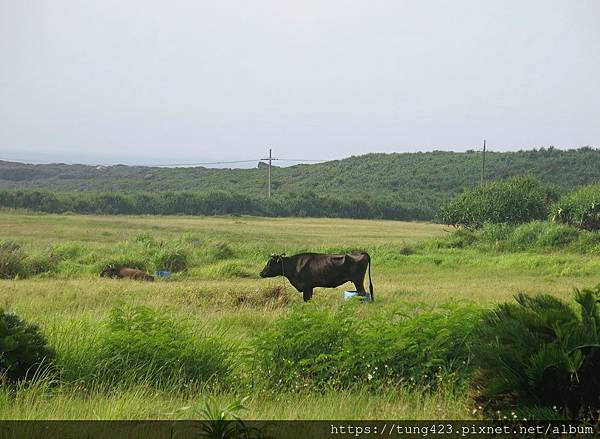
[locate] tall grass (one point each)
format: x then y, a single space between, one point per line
138 345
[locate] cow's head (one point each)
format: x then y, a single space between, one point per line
274 266
109 271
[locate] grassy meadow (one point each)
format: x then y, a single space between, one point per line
220 295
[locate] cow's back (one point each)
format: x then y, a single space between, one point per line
133 273
329 270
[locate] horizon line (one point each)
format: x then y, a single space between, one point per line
295 161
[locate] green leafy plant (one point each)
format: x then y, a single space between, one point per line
540 351
23 349
513 201
304 347
317 348
580 208
458 238
222 422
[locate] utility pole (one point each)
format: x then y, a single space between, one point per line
483 163
270 159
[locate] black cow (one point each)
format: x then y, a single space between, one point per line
306 271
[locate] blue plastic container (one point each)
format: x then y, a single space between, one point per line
162 273
350 294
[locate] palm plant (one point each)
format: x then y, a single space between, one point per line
223 422
541 351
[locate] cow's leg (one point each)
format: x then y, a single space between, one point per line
307 294
359 284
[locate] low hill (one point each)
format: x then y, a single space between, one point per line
414 180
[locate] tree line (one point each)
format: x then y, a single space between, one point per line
306 204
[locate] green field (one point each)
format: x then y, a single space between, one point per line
221 292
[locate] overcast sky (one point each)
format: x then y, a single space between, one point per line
156 82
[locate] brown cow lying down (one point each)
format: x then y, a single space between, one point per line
121 272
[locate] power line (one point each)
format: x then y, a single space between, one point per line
301 160
225 162
208 163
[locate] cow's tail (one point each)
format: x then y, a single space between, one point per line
370 282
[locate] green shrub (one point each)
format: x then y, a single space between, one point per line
535 235
513 201
539 351
141 344
557 235
542 234
580 208
67 250
168 259
429 348
218 251
458 238
588 242
42 262
305 347
23 349
11 260
495 233
321 348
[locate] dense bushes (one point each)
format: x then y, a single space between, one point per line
539 351
319 348
580 208
534 236
304 347
15 262
305 204
23 349
541 234
514 201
